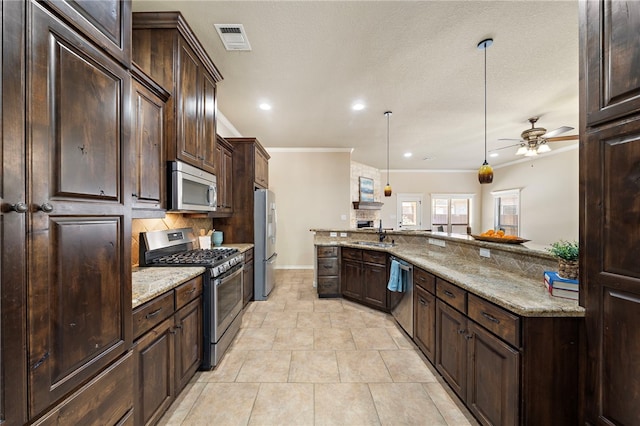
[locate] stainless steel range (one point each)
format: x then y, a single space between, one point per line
222 289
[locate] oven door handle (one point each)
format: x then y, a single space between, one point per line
231 276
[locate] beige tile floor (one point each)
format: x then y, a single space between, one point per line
299 360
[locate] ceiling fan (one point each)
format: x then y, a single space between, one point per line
534 140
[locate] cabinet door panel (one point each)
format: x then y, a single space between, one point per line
375 285
351 279
451 347
76 303
189 342
107 22
227 170
493 378
613 63
149 135
187 105
425 322
208 148
155 368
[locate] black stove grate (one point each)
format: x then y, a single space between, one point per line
206 257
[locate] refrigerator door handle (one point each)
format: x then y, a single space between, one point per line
275 223
272 259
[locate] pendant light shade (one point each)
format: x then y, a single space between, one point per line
485 173
387 188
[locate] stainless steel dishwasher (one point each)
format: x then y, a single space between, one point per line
402 311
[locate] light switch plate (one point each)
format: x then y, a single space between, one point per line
333 234
485 252
343 234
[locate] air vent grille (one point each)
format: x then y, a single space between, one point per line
233 36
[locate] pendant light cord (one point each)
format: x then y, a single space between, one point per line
388 114
485 104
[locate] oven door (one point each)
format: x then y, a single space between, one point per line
227 300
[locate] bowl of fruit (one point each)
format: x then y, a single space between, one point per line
499 236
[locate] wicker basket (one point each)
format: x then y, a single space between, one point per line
568 269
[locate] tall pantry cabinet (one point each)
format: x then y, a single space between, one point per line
610 208
66 213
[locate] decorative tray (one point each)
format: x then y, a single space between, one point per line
500 240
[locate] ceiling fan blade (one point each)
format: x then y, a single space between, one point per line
563 138
507 139
505 147
557 131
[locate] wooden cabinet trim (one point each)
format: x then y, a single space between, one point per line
153 312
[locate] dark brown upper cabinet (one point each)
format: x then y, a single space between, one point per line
167 50
106 23
148 140
224 155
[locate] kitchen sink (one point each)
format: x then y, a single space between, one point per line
374 244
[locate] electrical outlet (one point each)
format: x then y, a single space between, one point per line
333 234
485 252
343 234
437 242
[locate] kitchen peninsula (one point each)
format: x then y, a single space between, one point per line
481 315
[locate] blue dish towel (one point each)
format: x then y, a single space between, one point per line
395 277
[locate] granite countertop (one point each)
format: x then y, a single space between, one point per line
243 247
521 295
150 282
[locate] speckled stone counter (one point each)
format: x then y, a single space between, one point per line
148 283
240 246
506 279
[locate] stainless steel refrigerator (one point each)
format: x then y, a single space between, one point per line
265 255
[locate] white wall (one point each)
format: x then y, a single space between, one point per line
427 183
548 199
312 191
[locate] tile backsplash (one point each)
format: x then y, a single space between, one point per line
170 221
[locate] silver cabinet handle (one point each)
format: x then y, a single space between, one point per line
19 207
46 207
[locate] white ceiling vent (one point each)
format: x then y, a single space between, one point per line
233 36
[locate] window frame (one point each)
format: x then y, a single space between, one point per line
450 196
497 196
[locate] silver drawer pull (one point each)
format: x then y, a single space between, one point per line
491 318
422 301
449 294
192 290
153 314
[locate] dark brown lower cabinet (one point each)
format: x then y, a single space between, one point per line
363 276
451 347
188 342
492 378
155 364
424 321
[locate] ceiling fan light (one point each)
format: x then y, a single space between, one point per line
531 153
522 150
543 148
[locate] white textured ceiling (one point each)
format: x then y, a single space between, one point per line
312 59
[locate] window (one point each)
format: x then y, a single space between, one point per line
507 211
451 212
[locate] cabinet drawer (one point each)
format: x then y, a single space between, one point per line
152 313
377 257
248 256
188 291
425 280
327 251
451 294
353 254
495 319
328 285
327 266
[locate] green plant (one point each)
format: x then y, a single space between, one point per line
565 250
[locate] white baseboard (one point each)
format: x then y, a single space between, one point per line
294 266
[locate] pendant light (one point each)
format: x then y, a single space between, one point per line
387 188
485 173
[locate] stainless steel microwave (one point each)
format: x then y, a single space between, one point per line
191 189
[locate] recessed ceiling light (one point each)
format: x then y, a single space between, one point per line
408 154
358 106
493 154
265 106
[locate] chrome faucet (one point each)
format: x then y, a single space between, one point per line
381 234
